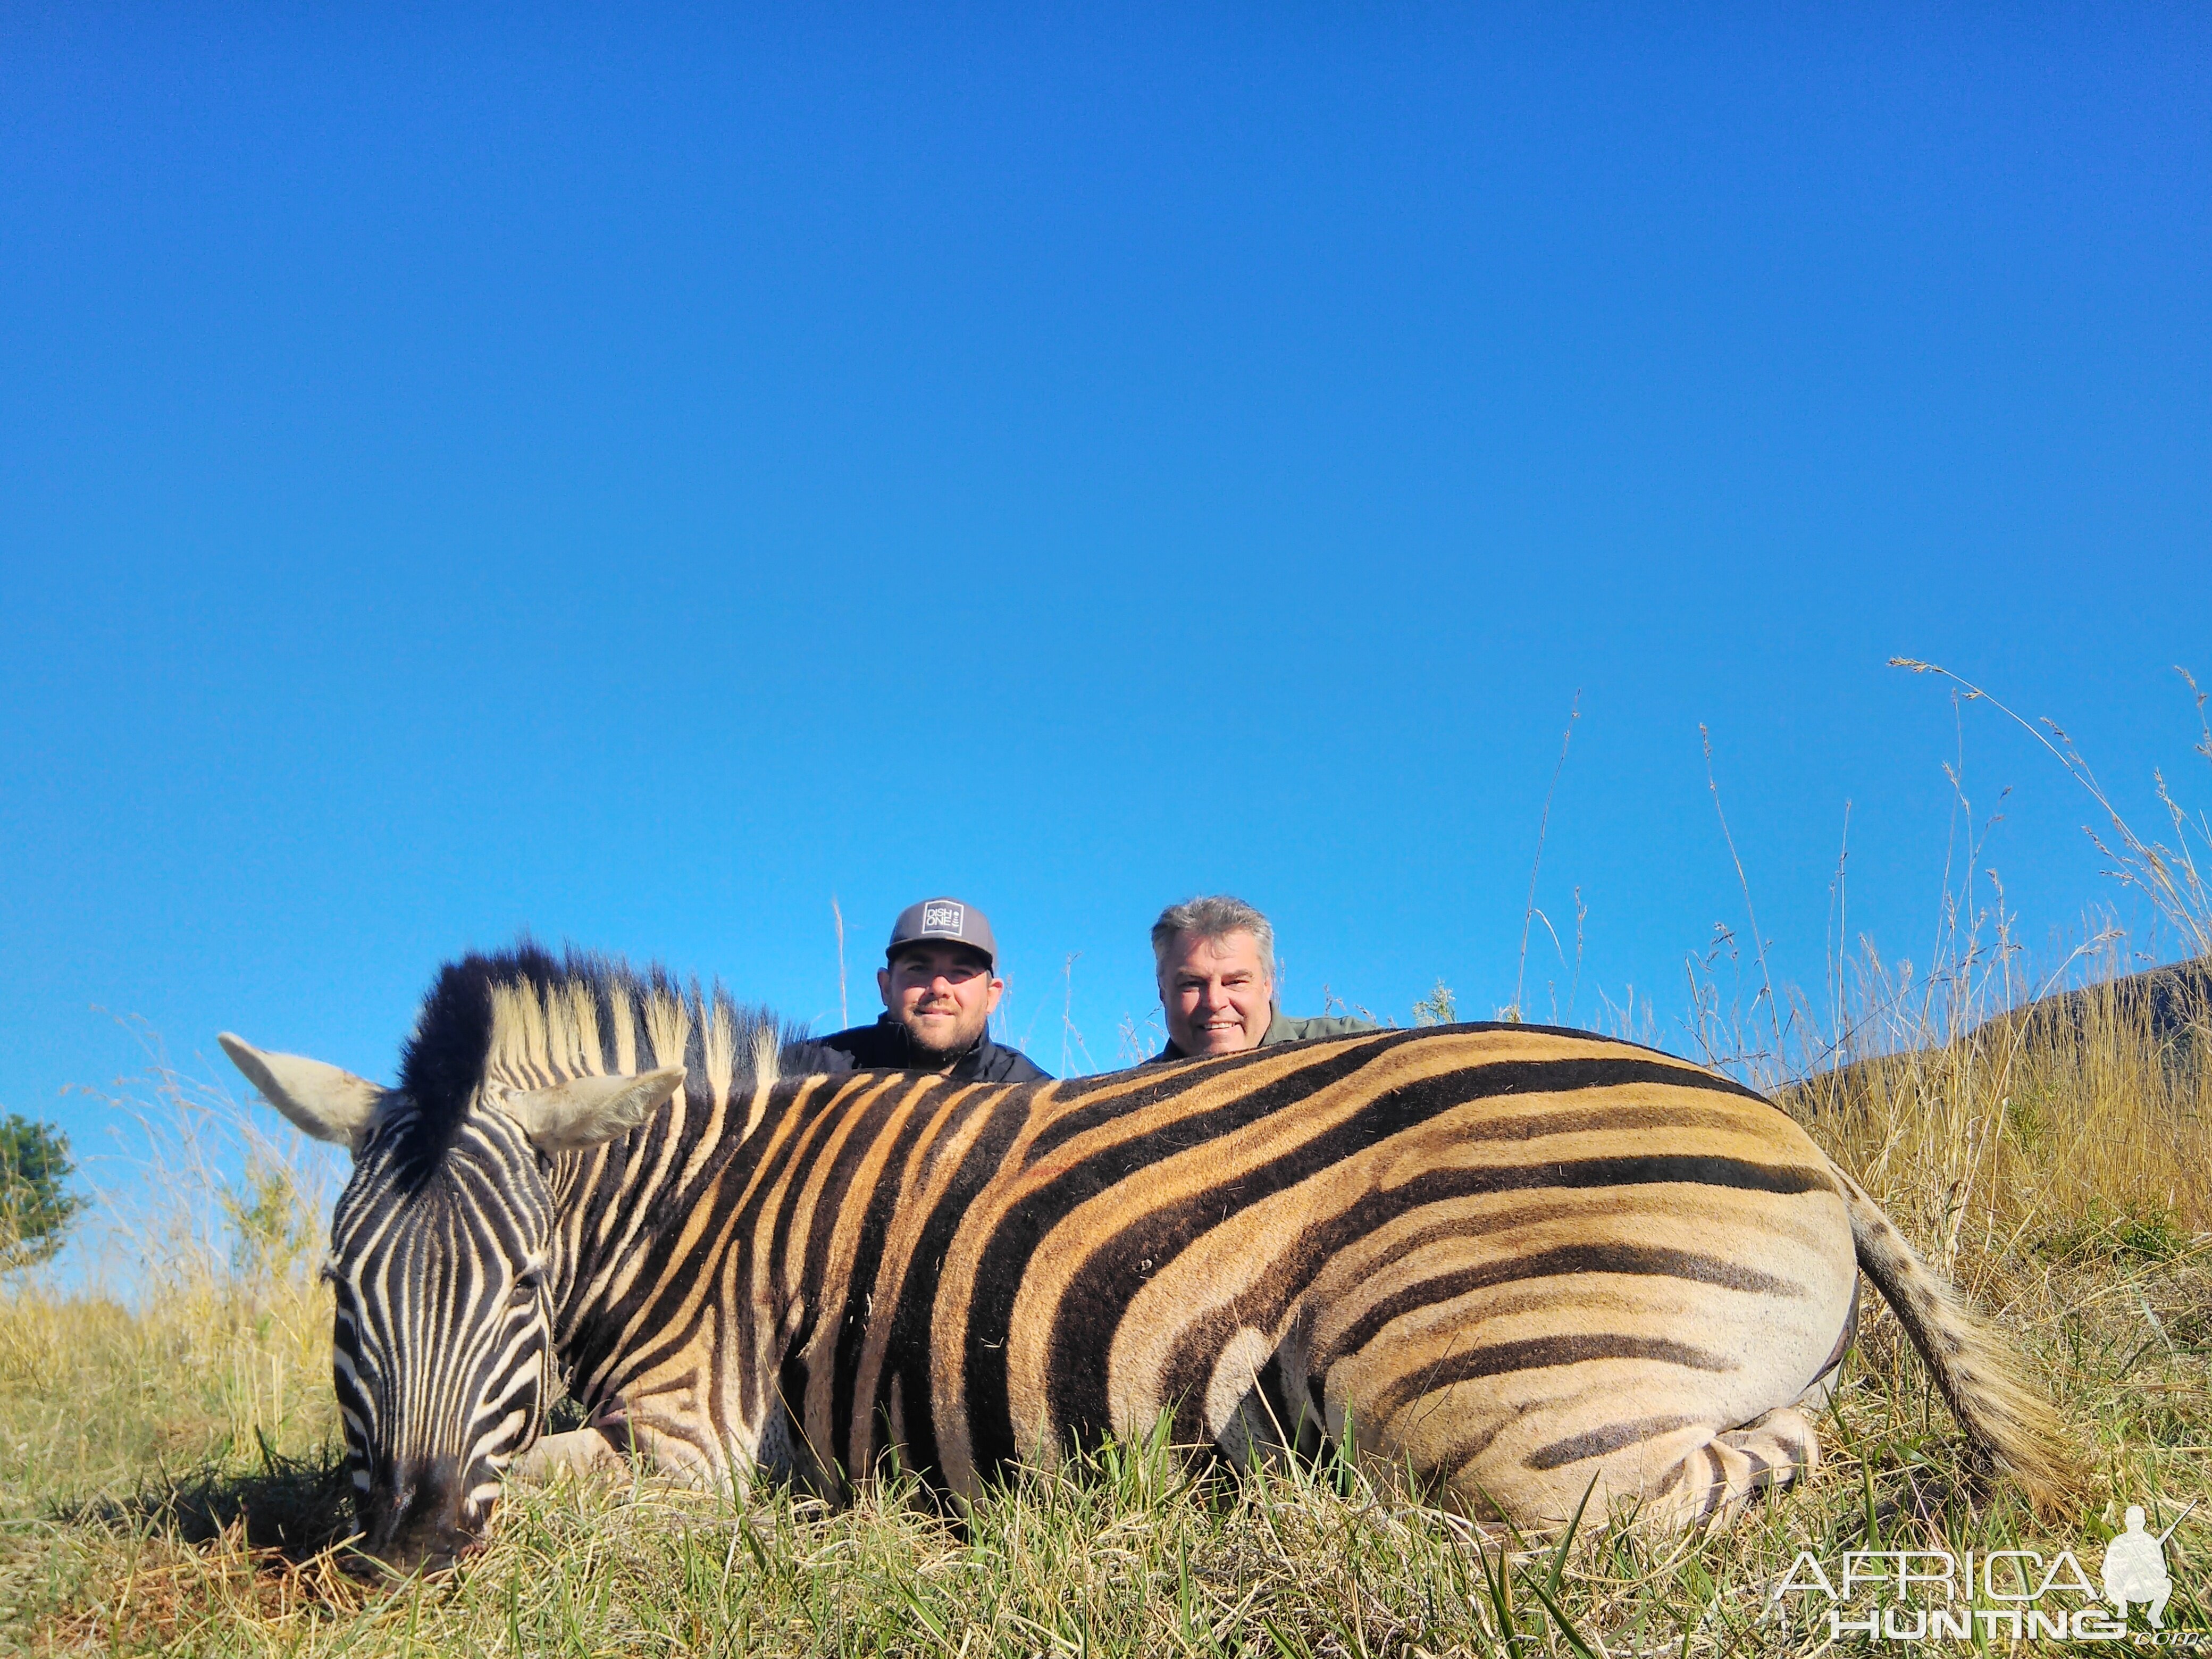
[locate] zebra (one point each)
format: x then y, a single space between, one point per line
1523 1267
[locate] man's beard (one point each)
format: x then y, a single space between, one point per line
930 1051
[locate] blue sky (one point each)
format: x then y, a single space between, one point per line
636 478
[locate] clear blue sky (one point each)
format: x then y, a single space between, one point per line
637 477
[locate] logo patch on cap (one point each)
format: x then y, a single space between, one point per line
943 918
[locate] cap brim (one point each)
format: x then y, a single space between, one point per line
890 952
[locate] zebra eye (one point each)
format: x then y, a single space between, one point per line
525 1287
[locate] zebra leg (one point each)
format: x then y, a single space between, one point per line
1674 1473
1713 1483
1261 1403
619 1437
580 1452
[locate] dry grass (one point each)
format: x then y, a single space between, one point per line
169 1481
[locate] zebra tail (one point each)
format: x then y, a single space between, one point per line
2011 1421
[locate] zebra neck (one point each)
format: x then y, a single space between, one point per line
663 1208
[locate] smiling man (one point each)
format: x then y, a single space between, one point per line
939 984
1216 962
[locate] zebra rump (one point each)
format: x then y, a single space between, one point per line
1517 1264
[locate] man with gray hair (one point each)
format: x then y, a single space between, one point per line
1215 959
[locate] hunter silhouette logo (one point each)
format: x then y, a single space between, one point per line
2135 1568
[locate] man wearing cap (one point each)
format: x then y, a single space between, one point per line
940 983
1215 959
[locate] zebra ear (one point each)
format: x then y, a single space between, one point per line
319 1099
586 1111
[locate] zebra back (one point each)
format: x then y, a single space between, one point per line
1519 1261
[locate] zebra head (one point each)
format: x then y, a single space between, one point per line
442 1264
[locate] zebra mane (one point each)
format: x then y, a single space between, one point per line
525 1019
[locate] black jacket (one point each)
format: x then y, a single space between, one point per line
885 1045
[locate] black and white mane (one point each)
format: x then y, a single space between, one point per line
525 1010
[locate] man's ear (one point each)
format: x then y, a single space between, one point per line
320 1100
884 985
568 1117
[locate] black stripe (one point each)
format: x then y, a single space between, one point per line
1296 1265
593 1348
867 1261
1083 1322
1716 1482
1233 1114
1535 1354
1459 1453
912 1341
1598 1442
1566 1259
1563 1074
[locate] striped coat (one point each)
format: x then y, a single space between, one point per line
1516 1261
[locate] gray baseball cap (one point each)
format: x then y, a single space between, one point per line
945 918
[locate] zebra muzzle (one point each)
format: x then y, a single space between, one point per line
419 1524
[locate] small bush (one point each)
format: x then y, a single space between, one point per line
36 1207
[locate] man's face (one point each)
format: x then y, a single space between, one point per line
1218 994
942 993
